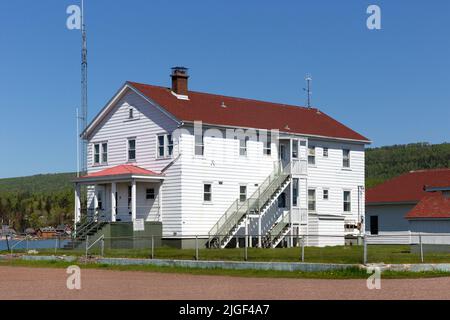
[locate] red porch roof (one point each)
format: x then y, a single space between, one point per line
122 170
434 205
408 187
238 112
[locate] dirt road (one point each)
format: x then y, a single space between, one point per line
37 283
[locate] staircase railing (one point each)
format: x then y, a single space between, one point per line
279 227
238 210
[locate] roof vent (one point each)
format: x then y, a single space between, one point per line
180 80
223 105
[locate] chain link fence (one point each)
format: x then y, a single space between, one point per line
388 249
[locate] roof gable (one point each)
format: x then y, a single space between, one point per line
434 205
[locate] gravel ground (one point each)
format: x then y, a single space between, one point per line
40 283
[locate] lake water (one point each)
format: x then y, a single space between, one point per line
32 244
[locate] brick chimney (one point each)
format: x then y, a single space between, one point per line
180 80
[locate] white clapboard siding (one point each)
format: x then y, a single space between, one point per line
328 173
148 122
226 170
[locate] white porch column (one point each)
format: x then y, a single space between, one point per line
113 202
95 202
133 200
160 198
77 203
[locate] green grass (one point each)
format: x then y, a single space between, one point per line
351 273
339 254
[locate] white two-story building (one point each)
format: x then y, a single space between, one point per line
218 167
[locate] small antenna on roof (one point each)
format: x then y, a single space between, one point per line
308 90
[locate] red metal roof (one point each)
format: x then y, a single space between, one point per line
121 170
408 187
239 112
434 205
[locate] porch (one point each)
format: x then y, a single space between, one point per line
120 194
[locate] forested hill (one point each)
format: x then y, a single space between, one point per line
387 162
43 183
48 199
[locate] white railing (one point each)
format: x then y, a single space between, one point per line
299 167
299 215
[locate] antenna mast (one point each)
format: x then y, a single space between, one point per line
308 90
84 92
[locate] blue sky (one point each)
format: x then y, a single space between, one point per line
392 85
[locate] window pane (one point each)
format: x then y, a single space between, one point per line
170 145
295 149
207 192
295 192
131 149
312 155
150 194
346 158
325 152
160 140
96 153
104 152
242 193
312 200
161 152
199 147
347 201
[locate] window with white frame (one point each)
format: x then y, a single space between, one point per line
131 149
243 146
104 152
294 149
295 192
312 200
326 194
311 155
267 145
347 201
165 145
96 153
150 194
199 145
161 146
100 153
207 192
242 193
325 152
346 158
169 145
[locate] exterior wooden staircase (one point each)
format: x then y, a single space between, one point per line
238 213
